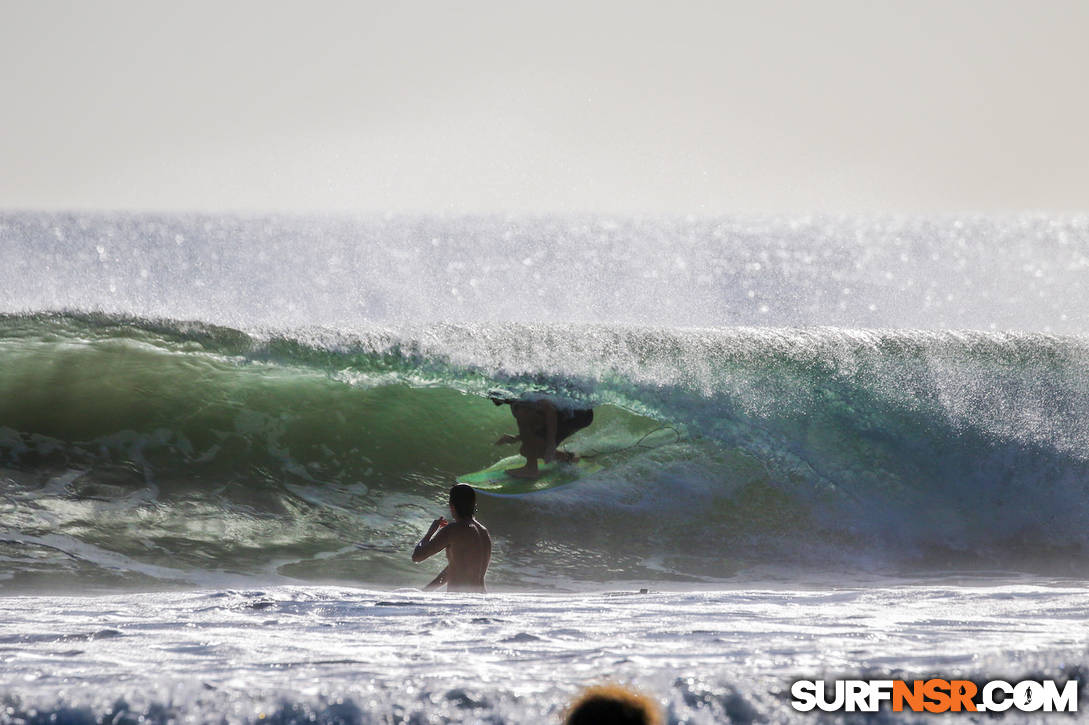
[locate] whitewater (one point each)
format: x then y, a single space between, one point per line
830 446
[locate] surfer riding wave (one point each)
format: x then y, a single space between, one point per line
543 423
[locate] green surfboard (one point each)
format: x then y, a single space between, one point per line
494 480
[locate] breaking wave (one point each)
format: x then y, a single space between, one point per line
139 452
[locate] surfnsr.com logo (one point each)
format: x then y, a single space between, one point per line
934 695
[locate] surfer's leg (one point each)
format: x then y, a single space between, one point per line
531 449
578 421
527 471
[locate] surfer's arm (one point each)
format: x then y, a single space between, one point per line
551 419
432 542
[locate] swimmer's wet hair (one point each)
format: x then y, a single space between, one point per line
463 499
613 704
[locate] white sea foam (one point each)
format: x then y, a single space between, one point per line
369 656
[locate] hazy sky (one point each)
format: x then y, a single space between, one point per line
629 107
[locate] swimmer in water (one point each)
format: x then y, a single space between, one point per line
467 543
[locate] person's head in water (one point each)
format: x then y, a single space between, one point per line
463 501
499 396
613 705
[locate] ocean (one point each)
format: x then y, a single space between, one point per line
830 447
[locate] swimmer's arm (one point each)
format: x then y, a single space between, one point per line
487 556
432 542
438 581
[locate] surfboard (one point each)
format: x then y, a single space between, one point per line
494 480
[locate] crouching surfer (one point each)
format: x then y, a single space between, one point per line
542 425
467 543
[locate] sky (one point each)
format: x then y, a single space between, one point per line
479 107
